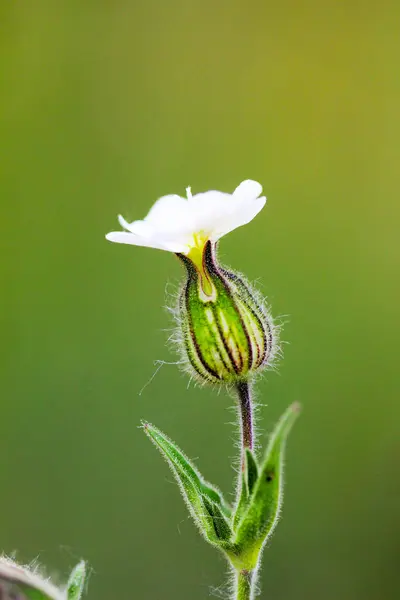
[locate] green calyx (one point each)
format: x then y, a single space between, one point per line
227 333
240 533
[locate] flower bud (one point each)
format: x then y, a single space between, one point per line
227 333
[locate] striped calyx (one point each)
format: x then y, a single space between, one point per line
227 334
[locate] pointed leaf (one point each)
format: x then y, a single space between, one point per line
205 502
242 502
249 477
221 525
196 505
262 514
215 496
76 582
251 470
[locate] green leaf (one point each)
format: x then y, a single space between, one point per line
221 526
205 502
261 516
248 480
215 496
76 582
251 470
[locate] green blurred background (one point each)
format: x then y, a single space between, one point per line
106 106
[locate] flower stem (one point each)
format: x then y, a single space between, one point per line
245 585
246 415
245 580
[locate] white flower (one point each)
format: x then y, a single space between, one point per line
181 225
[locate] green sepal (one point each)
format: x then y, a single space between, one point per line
248 480
261 516
205 502
76 582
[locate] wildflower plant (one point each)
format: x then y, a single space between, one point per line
226 337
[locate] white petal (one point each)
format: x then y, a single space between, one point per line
141 228
217 213
243 213
174 241
123 237
171 214
123 222
208 208
173 222
248 190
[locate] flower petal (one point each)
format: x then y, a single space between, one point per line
142 229
208 208
248 190
175 223
171 214
124 237
243 213
174 241
123 222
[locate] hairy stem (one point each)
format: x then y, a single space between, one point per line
246 415
245 585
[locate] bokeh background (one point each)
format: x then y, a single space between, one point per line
106 106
